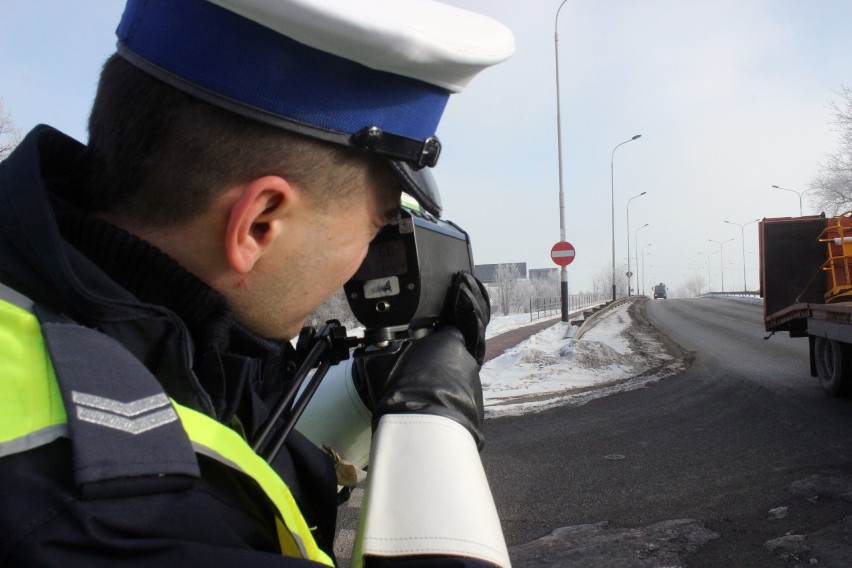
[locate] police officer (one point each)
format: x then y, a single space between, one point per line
242 155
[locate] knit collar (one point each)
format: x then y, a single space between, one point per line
152 276
235 366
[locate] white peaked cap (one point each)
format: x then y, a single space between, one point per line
421 39
374 75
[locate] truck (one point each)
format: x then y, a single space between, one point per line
806 286
660 291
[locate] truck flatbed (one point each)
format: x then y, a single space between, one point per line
795 318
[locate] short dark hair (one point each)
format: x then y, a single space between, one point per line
161 156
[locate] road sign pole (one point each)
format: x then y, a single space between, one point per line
563 254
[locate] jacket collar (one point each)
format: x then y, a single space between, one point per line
106 278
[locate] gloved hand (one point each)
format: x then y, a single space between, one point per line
468 308
437 374
433 375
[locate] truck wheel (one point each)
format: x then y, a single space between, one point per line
834 366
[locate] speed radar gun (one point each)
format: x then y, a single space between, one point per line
398 292
426 480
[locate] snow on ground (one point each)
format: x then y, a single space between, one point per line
502 324
552 367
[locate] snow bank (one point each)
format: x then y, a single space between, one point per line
551 367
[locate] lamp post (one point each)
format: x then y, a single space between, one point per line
709 254
742 238
799 193
612 203
721 258
628 242
644 254
564 272
636 240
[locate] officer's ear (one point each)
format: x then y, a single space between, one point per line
256 220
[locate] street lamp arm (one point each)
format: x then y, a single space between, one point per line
556 20
612 155
799 193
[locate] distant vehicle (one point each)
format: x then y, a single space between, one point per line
660 291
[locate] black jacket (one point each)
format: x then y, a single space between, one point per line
97 275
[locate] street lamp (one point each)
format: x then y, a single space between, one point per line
742 238
628 242
636 240
709 254
644 254
799 193
612 203
721 263
564 272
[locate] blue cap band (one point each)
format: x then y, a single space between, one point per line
252 70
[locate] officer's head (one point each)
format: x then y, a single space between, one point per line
263 143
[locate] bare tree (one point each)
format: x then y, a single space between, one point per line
693 286
832 186
602 281
512 293
9 135
546 286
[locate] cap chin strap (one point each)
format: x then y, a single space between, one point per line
418 153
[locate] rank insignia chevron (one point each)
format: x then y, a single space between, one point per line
134 417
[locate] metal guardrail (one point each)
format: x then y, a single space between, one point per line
544 307
587 321
744 294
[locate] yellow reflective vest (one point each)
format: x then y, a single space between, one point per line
32 414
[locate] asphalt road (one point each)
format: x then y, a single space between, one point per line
739 461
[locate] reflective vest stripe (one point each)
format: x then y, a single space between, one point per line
223 444
32 413
34 440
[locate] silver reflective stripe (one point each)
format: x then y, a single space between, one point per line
33 440
125 416
132 408
128 425
15 298
214 455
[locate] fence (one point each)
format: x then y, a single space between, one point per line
544 307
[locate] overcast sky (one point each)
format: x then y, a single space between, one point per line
730 97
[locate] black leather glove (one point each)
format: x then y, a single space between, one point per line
433 375
437 374
468 308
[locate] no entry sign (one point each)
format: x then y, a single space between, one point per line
563 253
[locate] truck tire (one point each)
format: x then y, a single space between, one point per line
833 365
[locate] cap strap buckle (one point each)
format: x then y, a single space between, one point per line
418 153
